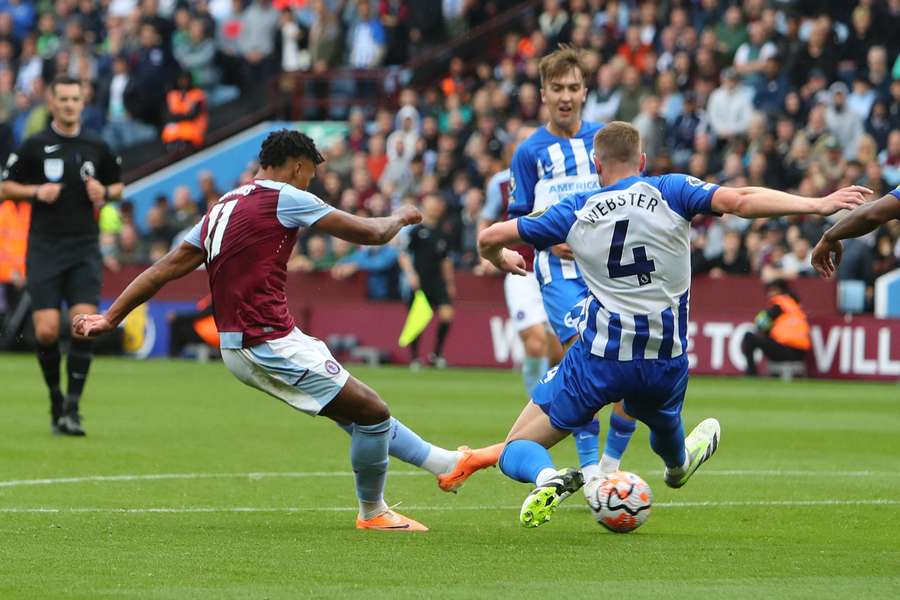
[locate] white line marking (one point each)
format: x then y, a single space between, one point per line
341 509
398 473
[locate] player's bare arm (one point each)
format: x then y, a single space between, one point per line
492 246
177 263
368 231
826 255
755 202
45 192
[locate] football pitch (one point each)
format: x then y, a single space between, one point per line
190 485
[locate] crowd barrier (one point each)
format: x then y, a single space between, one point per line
722 310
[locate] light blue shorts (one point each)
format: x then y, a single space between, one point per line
297 369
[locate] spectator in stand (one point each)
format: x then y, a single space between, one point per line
733 260
652 127
324 37
454 12
751 56
633 93
878 74
730 107
122 129
684 131
186 115
635 51
365 38
846 125
771 87
381 266
889 159
554 23
198 55
256 44
150 77
603 101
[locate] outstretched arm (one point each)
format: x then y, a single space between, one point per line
754 202
826 255
492 244
177 263
371 232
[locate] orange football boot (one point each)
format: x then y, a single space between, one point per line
390 521
470 462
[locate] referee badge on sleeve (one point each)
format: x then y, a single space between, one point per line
53 169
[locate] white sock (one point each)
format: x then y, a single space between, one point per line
608 464
440 461
367 510
591 471
684 466
544 476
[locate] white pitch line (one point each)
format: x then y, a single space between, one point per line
397 473
341 509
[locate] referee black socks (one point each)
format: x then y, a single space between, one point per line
48 358
77 365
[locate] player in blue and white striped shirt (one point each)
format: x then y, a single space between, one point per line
552 164
631 240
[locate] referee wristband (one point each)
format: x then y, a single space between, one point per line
105 193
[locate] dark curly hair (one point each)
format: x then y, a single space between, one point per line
283 144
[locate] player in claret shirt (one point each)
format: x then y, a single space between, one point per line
245 240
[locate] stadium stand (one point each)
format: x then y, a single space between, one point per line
783 94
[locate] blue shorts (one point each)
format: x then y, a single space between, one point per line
562 303
573 392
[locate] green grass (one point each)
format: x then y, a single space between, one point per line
786 450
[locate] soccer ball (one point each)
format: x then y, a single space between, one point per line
620 502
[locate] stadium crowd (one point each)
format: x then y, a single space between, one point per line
780 93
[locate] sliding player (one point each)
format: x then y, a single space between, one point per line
631 239
552 164
245 240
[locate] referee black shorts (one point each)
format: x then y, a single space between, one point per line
63 270
436 292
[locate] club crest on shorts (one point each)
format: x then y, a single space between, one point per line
53 169
332 368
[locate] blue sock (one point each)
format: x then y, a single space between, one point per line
522 460
618 436
369 457
533 368
669 444
587 443
405 444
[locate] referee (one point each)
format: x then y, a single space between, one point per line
428 267
68 175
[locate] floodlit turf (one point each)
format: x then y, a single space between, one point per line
193 486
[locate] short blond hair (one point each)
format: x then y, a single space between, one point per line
560 62
618 142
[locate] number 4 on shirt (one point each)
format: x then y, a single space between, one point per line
642 266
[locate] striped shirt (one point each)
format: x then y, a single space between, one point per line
545 169
632 242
